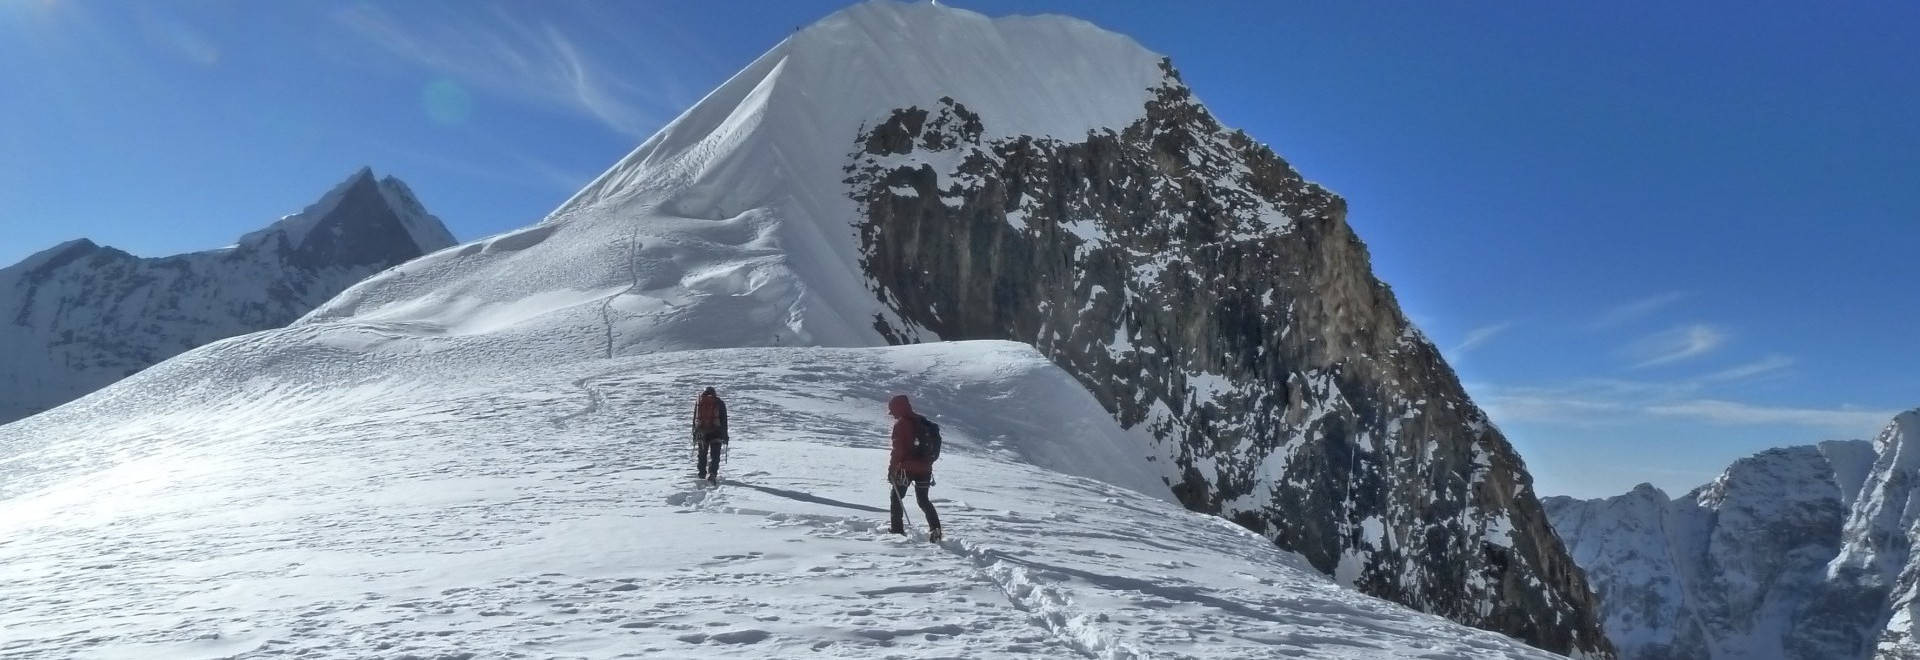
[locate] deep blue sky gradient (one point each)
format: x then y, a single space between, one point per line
1651 237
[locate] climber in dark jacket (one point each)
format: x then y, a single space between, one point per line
709 433
904 467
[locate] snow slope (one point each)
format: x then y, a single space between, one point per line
386 507
738 208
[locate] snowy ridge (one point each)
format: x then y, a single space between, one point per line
855 67
1876 534
1800 552
741 195
385 507
1873 542
424 228
295 227
79 316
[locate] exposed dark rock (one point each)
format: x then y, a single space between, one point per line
1201 289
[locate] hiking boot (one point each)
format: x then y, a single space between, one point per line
934 535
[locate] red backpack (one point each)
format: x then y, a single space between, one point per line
708 420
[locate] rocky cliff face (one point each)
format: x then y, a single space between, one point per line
1720 572
1875 572
80 316
1210 296
1802 553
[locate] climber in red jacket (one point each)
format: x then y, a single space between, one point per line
908 464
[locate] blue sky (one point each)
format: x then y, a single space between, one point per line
1650 237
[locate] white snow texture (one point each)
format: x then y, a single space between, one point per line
484 452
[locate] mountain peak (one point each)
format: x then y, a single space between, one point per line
1650 491
54 256
365 200
81 316
803 101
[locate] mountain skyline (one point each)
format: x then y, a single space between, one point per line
765 241
1796 552
82 316
1688 248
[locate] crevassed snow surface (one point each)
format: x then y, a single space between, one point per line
305 504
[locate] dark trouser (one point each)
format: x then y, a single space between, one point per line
920 492
709 452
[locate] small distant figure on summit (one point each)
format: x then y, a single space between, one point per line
916 445
709 434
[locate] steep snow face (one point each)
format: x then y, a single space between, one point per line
738 206
1852 463
1877 547
1802 553
1731 570
1772 523
323 492
79 316
1881 536
1624 544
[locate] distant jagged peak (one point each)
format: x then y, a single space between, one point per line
358 191
1904 427
55 256
1646 490
427 231
1884 511
1776 476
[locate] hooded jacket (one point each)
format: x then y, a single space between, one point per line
905 425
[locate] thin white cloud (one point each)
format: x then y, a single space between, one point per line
1478 336
1585 402
1635 310
527 60
1681 343
1599 403
1769 364
1550 408
1861 423
522 171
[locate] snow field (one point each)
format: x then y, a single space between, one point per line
551 514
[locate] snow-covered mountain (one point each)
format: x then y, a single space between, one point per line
79 316
1206 326
1801 552
904 173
